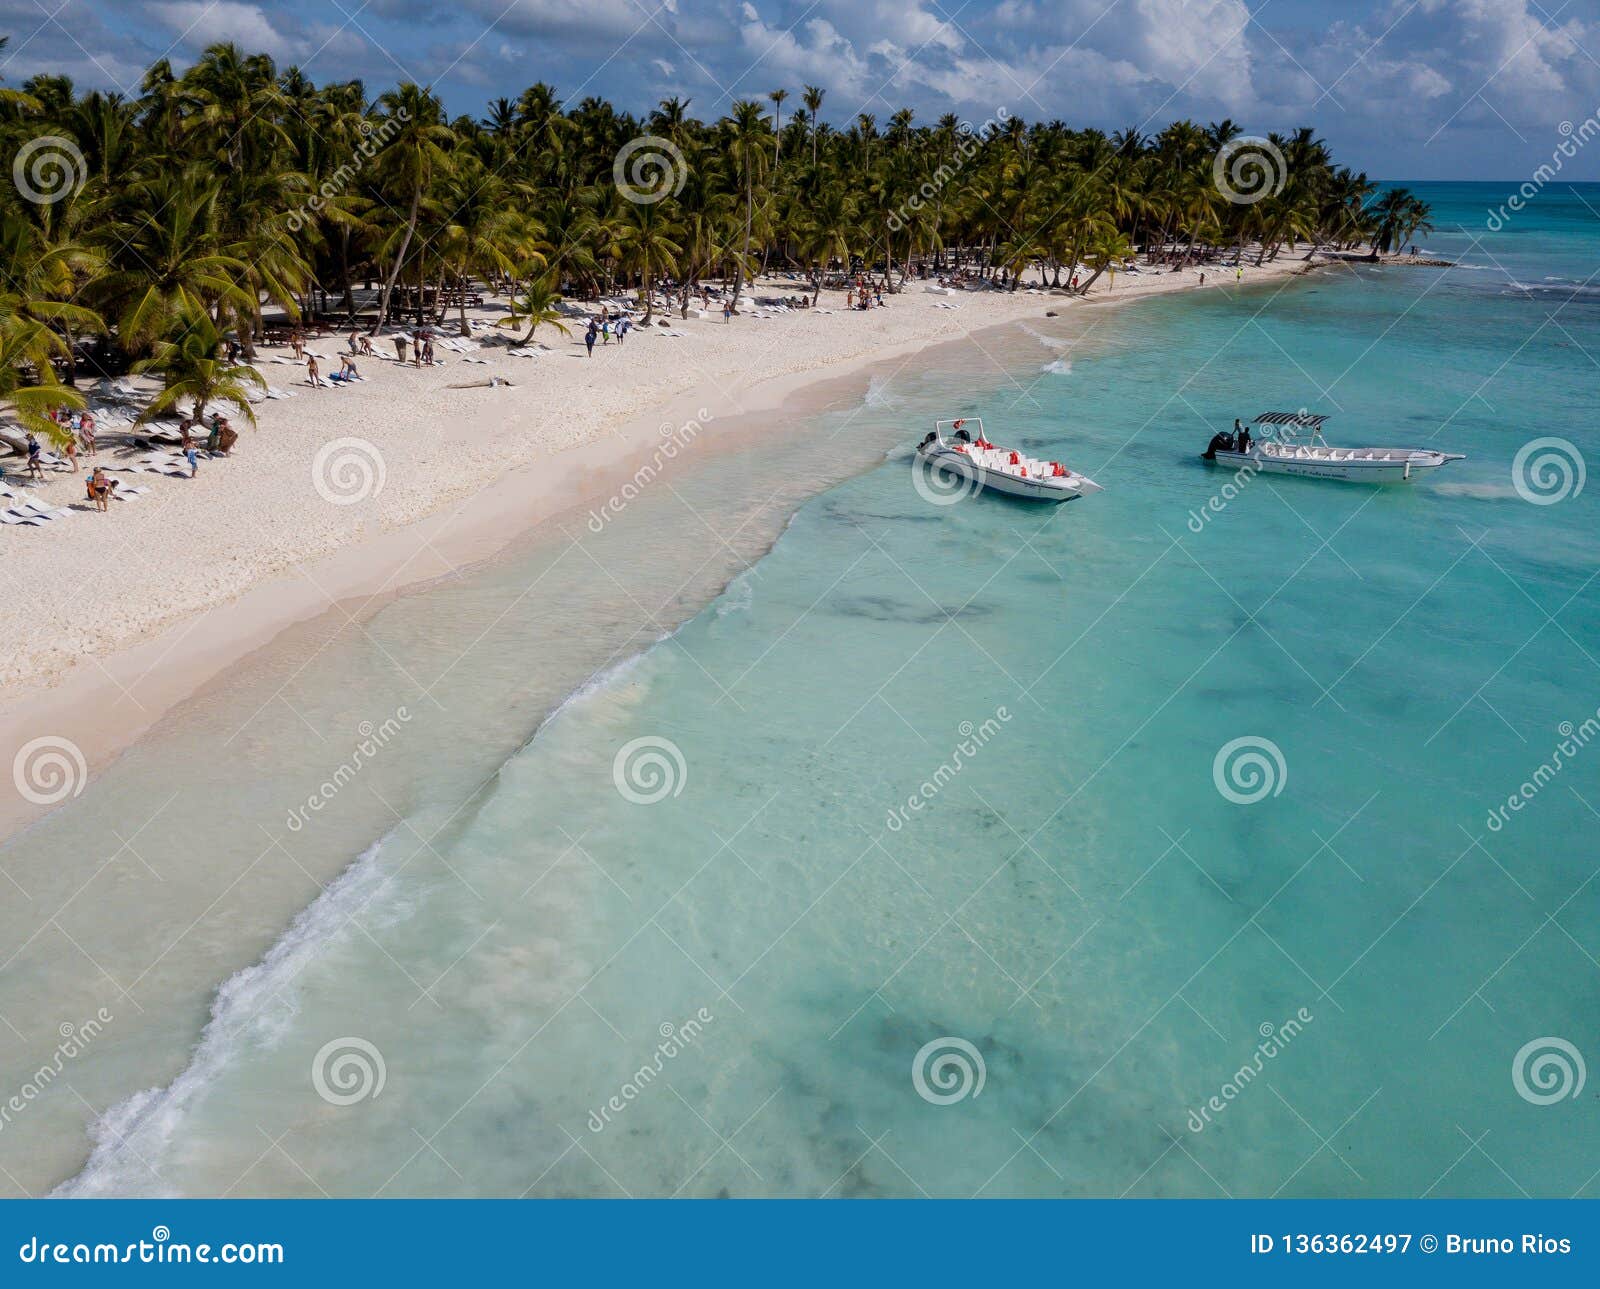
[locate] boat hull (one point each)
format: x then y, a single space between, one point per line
1347 470
959 465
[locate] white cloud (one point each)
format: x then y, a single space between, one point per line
197 23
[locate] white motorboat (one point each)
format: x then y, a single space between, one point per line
1281 450
967 455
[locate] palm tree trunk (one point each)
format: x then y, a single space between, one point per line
399 260
749 214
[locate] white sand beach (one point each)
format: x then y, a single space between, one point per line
339 496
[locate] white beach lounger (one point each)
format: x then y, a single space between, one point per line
42 511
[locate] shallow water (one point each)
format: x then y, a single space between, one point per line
955 775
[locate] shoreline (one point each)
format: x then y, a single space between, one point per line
107 700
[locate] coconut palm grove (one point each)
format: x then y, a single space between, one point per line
166 233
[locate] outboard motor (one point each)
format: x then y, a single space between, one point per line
1220 442
931 439
963 437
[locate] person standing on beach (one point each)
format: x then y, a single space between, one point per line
1238 273
589 335
86 432
192 456
313 375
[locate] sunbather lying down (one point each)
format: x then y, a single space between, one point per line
494 382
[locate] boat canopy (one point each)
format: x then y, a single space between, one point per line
1305 420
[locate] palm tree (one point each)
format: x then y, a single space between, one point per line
164 259
409 162
645 247
192 367
482 232
1106 251
812 98
538 305
748 151
826 231
777 96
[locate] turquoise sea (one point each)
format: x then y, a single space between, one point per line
1153 845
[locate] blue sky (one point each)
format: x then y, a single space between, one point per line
1417 89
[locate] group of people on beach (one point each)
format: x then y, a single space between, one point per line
419 348
604 327
862 296
347 372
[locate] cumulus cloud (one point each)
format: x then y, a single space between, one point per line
197 23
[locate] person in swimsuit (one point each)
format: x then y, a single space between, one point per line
35 460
